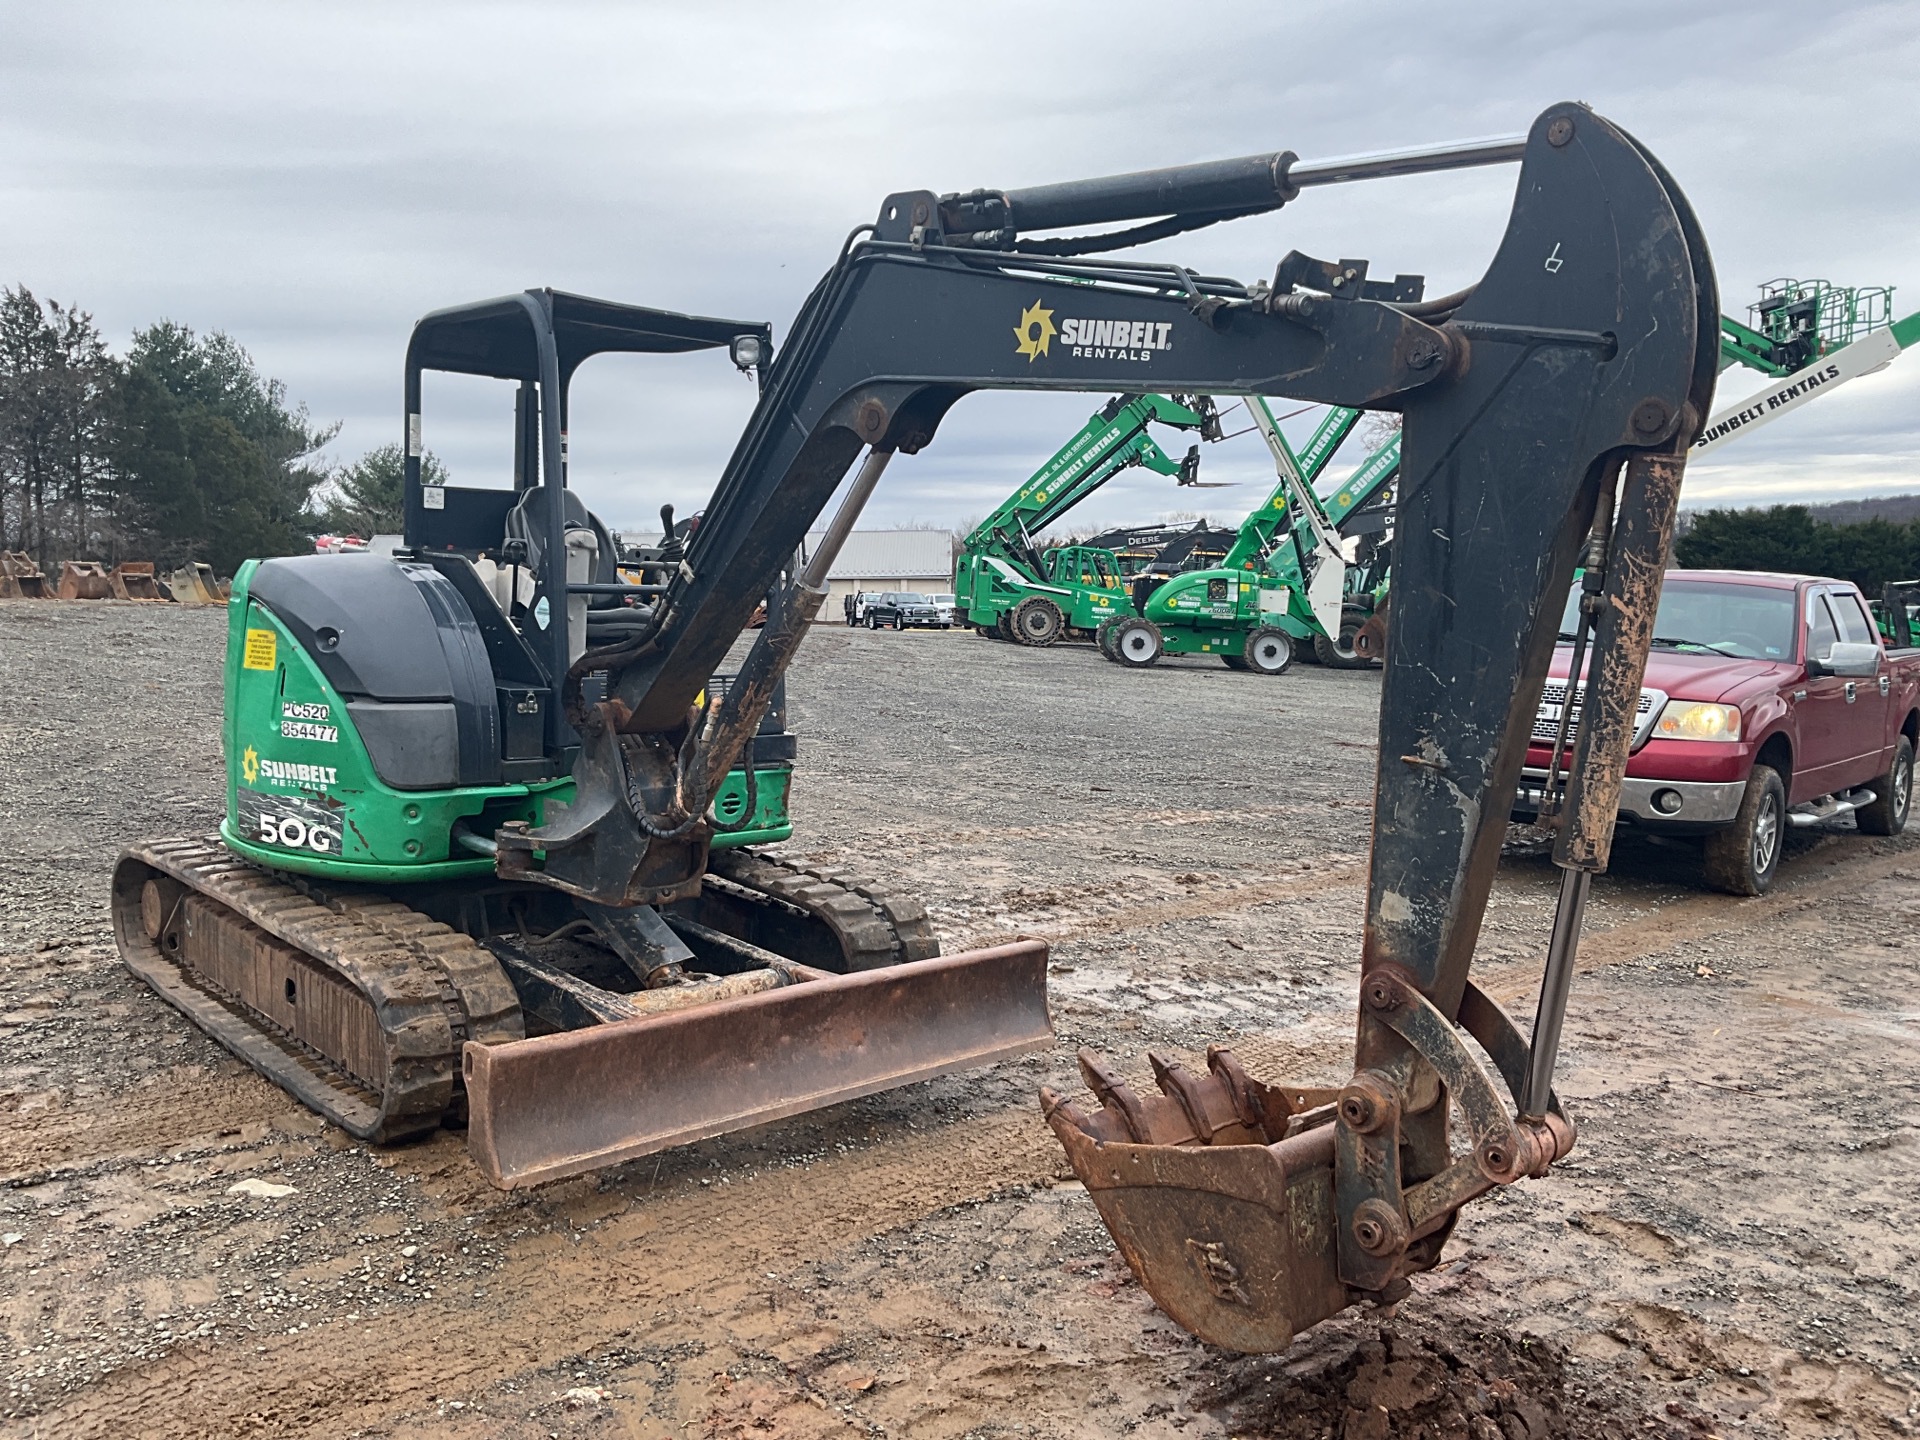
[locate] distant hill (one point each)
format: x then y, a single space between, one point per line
1896 509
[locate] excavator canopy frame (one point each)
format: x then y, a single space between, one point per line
539 338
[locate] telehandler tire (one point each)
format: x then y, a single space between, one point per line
1337 652
1003 627
1103 636
1743 858
1893 795
1038 622
1136 643
1268 651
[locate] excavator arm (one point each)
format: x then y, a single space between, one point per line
1546 413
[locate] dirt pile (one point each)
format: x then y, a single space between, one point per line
1426 1373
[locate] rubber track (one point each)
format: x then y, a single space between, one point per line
874 926
417 976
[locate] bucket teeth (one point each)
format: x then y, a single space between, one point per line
1115 1095
1181 1085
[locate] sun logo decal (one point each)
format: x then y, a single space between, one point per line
250 764
1035 332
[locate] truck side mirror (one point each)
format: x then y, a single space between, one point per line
1851 659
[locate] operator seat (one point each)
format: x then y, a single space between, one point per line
608 616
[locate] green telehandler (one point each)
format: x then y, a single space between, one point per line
1009 586
1283 583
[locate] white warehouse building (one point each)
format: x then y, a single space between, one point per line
918 560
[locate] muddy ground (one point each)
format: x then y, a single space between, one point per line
1733 1249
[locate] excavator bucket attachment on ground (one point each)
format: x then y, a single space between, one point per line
561 1104
20 578
135 580
194 584
85 580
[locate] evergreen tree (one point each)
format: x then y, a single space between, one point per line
210 462
368 497
55 379
1788 538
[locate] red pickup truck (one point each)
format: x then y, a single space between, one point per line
1769 701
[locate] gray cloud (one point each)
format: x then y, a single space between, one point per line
311 180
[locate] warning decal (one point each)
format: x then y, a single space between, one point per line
261 650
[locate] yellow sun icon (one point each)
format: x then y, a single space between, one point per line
1034 332
250 765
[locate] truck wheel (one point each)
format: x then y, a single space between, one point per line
1136 643
1268 651
1743 858
1038 622
873 622
1893 795
1337 652
899 622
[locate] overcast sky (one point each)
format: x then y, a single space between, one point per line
313 179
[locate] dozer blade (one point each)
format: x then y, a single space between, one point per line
561 1104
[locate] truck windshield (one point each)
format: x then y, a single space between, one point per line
907 599
1751 622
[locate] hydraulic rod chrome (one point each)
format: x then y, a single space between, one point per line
1379 164
1245 185
1554 986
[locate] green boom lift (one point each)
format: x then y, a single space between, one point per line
1008 586
1282 584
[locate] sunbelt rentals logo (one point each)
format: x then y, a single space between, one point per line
1034 333
1135 340
280 772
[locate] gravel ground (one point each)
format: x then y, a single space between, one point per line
1731 1249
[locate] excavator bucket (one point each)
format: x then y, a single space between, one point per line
135 580
20 578
560 1104
84 580
1219 1194
194 584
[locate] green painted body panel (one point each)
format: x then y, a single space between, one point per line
303 795
1210 611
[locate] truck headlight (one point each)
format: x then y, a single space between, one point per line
1697 720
